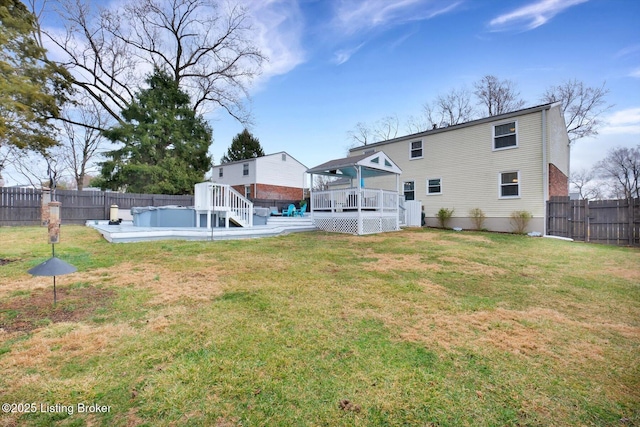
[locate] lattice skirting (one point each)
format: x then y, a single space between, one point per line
350 225
337 225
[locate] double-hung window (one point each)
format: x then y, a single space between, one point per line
245 169
415 150
220 173
505 135
434 186
509 184
409 190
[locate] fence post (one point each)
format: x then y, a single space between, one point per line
630 220
107 206
587 222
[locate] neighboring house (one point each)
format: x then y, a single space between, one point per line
500 164
276 176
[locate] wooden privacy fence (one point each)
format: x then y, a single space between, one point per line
612 222
21 206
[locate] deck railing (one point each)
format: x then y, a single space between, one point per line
354 199
214 197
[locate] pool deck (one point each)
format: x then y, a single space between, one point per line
126 232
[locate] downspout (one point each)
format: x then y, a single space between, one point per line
545 171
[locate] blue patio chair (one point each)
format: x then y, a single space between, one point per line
291 211
301 211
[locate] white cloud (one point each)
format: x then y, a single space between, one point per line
279 26
627 51
625 122
532 16
355 16
343 55
635 73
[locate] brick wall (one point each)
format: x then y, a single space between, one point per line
265 191
558 182
274 192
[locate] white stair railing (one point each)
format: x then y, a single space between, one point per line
211 197
240 206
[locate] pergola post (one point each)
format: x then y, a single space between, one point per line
359 199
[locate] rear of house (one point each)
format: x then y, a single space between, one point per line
500 164
276 176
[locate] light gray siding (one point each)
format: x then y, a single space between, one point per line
233 173
274 170
469 167
558 141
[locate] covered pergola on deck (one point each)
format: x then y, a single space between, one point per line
357 210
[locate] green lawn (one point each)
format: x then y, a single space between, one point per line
414 328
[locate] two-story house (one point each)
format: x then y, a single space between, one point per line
276 176
500 164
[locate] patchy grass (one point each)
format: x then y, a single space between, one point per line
419 327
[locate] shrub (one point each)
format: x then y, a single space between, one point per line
444 215
520 221
477 217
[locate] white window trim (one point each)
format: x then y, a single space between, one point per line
493 136
500 196
421 148
220 172
414 188
247 169
427 182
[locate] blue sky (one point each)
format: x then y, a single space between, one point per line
334 63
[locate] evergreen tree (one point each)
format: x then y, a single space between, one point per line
243 146
165 143
30 88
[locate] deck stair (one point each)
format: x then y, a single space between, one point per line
296 221
222 201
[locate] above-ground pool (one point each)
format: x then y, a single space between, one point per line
181 216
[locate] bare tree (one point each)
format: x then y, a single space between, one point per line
38 167
622 167
361 134
582 105
584 181
497 96
81 144
384 129
417 124
207 50
450 109
322 182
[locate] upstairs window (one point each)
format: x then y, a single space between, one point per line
505 136
220 173
284 157
434 186
245 169
509 184
416 150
